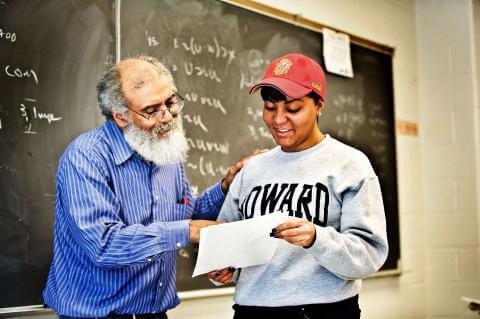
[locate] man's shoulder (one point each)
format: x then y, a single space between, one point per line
89 141
90 144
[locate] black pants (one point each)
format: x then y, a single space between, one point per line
345 309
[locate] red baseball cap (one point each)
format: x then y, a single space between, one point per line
295 75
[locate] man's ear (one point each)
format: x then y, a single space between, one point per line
120 119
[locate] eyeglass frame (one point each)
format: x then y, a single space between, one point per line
162 111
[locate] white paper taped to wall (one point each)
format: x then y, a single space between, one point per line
336 53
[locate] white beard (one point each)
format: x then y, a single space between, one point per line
170 148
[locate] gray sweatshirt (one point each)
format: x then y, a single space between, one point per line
332 185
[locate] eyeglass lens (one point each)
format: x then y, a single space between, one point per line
174 105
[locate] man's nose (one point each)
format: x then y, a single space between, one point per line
167 117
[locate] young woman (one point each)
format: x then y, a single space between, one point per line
340 236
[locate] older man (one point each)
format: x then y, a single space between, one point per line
124 204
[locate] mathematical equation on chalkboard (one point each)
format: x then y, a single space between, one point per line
209 61
28 108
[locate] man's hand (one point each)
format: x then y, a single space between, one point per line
196 225
223 275
298 232
235 168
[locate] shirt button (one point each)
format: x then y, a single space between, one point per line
157 198
149 259
161 284
179 245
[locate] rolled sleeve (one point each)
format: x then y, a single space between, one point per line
217 193
209 203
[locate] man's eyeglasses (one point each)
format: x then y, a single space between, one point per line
173 106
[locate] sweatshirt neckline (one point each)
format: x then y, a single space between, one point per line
306 152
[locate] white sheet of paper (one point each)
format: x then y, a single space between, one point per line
336 53
238 244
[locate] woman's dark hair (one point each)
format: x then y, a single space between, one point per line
270 93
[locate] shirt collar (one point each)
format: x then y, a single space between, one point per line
119 146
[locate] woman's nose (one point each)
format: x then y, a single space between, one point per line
279 117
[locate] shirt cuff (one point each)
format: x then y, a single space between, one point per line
176 234
322 236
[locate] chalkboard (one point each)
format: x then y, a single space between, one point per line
52 53
216 52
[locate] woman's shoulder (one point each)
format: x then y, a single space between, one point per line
263 158
349 155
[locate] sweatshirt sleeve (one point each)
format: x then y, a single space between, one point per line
360 247
230 210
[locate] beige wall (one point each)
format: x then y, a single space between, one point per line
450 147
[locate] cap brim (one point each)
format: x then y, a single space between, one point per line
289 88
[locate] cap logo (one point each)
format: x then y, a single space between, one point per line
317 86
282 66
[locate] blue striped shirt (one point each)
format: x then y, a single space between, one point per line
118 222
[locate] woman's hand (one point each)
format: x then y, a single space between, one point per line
224 275
298 232
235 168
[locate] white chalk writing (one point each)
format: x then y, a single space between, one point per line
256 63
207 168
375 121
205 100
21 74
259 131
194 47
201 70
29 112
28 129
246 80
195 120
209 146
151 40
11 36
350 115
47 116
108 60
255 113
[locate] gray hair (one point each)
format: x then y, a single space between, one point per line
109 89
